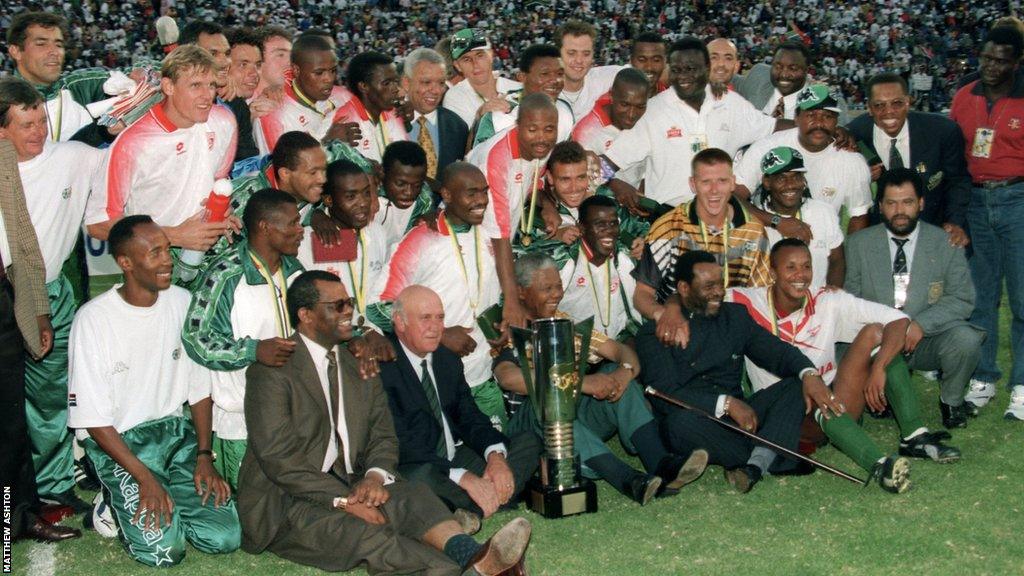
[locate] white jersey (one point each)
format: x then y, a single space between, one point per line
838 177
155 168
65 116
602 292
595 132
389 128
827 317
827 235
57 184
670 133
127 365
460 271
464 101
360 275
295 115
511 180
394 221
596 83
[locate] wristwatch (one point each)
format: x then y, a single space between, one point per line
775 220
210 453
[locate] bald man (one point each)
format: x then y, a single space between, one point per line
725 62
444 440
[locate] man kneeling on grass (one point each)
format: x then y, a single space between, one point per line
129 379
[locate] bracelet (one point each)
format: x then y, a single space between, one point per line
725 406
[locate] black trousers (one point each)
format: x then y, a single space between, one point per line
779 409
16 470
523 458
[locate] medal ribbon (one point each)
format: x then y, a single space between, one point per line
526 225
725 247
305 101
359 289
278 294
604 317
473 303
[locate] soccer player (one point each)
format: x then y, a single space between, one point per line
584 83
373 82
244 78
404 195
481 90
456 262
166 163
647 54
276 49
57 178
210 37
239 315
129 380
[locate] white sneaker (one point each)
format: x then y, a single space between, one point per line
931 375
103 517
980 393
1015 411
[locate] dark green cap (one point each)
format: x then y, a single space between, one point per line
782 159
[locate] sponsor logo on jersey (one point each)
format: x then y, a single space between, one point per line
66 193
179 148
176 354
1014 123
72 400
674 132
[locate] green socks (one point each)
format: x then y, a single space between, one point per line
900 393
846 435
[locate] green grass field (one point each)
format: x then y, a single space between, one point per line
959 519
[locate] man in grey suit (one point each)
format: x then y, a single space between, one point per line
911 265
316 485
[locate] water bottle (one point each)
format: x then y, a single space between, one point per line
216 211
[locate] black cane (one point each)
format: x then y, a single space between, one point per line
676 402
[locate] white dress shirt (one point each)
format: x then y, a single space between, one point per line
431 117
789 103
883 144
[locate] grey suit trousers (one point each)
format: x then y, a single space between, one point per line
955 352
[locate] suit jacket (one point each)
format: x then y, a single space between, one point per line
937 154
712 363
940 295
453 133
417 428
289 430
756 86
26 271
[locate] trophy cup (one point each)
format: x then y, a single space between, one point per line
553 361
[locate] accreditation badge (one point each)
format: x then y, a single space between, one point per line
899 294
698 142
983 139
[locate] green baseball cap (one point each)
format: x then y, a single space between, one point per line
782 159
468 39
817 97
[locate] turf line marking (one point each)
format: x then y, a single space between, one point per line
42 560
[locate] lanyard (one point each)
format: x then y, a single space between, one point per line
473 303
304 100
775 317
380 134
278 294
606 316
725 247
55 127
526 226
359 290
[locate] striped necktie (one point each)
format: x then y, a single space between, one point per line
435 407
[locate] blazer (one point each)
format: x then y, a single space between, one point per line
937 155
756 86
941 293
417 428
289 429
452 133
26 271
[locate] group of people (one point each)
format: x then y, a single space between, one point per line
326 274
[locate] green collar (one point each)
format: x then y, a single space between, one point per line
289 264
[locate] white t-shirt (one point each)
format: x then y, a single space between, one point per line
510 179
394 221
596 83
827 317
293 115
371 260
835 176
464 101
57 184
65 116
155 168
827 235
670 133
587 292
127 364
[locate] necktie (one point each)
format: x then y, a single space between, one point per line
3 271
435 407
895 159
899 263
334 387
780 108
427 143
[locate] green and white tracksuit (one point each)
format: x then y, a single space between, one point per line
66 100
396 221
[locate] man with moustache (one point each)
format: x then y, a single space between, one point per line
911 265
647 54
513 163
348 198
438 130
404 195
239 315
128 383
373 81
456 262
707 373
584 83
244 77
540 71
481 89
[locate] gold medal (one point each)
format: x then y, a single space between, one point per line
525 240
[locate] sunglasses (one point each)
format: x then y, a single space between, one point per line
340 306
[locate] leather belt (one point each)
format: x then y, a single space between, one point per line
990 184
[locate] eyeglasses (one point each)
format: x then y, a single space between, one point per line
339 305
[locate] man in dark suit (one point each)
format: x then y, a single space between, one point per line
773 88
929 144
707 375
317 486
912 266
440 132
24 323
444 440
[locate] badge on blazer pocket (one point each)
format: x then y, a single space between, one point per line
935 180
934 292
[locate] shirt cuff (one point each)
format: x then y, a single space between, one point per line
720 406
499 447
807 371
388 478
456 474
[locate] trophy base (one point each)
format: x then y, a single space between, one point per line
551 502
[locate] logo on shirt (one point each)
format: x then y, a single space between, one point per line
179 148
1014 123
828 191
581 281
674 132
519 178
607 144
302 119
72 400
210 137
176 354
66 193
119 367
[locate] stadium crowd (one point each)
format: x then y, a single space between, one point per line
330 219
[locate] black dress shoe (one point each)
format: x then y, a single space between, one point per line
743 478
929 445
954 416
676 471
643 487
68 498
42 531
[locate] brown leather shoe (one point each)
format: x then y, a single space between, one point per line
468 521
503 553
42 531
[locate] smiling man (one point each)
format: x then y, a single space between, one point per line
404 195
239 315
438 130
244 78
210 37
481 89
619 110
774 88
725 63
373 81
648 55
584 83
